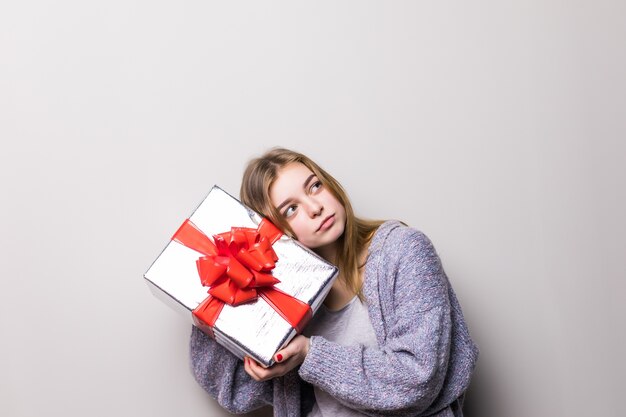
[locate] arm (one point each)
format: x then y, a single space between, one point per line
406 372
223 376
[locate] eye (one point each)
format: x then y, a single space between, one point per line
316 186
290 210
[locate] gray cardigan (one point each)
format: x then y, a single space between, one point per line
422 365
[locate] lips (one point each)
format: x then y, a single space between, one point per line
326 223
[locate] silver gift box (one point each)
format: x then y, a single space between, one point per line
253 329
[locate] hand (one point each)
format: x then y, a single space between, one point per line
286 359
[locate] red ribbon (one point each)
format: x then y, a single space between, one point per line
236 266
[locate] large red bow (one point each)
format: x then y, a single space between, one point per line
237 269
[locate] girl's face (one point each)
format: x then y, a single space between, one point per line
314 214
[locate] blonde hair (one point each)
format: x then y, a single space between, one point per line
259 176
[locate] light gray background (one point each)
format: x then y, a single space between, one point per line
495 127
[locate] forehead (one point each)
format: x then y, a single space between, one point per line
289 181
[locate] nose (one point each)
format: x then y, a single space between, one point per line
314 207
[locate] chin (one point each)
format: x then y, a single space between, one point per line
334 236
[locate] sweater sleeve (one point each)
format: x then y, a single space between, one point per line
223 376
405 374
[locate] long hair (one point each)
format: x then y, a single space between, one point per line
259 176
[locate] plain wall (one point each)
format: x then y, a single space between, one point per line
497 128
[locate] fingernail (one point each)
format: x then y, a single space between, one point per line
279 357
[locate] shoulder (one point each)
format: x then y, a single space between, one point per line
398 247
394 236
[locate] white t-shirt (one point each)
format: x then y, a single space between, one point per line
348 326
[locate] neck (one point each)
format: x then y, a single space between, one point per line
329 252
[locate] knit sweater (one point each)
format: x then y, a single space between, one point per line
423 362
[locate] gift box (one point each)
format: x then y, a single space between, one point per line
239 279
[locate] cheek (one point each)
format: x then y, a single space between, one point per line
296 226
338 206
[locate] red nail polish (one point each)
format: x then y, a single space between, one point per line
279 357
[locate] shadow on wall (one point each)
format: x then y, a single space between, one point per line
481 398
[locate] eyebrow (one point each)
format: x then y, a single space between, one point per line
306 184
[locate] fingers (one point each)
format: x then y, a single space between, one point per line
259 373
298 347
287 352
251 368
286 359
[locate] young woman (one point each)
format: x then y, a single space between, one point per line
389 339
